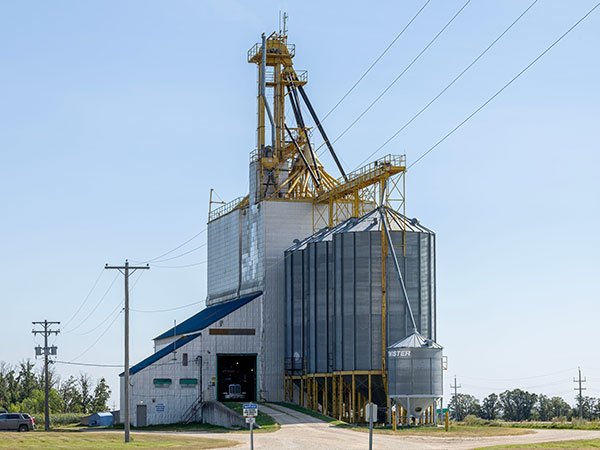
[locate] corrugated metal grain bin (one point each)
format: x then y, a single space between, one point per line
415 372
333 293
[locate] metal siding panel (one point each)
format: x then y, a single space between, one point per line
375 300
289 325
310 265
306 305
348 301
339 301
330 307
298 318
362 300
321 306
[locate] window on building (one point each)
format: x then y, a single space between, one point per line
185 359
188 382
162 382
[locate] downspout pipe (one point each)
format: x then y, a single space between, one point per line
393 252
263 88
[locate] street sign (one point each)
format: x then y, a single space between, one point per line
250 410
250 420
440 411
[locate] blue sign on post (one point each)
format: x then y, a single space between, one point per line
250 410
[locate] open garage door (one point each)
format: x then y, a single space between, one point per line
236 378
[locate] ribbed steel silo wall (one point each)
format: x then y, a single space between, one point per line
334 298
295 307
321 306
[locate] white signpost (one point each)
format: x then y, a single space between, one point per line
250 413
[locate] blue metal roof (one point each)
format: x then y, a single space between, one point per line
208 316
161 353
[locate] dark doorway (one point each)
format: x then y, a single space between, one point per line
236 378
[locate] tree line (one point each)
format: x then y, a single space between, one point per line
22 390
518 405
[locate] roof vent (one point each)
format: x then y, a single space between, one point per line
414 221
296 241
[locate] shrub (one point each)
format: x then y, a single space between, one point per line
474 420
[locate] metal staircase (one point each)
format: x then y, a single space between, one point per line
193 409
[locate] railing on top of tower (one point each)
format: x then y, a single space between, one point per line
239 202
255 50
365 176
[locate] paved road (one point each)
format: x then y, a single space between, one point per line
300 431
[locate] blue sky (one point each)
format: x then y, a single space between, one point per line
116 119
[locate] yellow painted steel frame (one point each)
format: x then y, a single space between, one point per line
337 394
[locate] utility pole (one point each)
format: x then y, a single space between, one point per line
46 351
127 271
456 387
580 389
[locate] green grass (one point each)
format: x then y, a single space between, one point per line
193 426
266 422
576 425
58 419
105 441
310 412
579 444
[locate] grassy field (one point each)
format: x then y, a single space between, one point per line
583 444
55 440
266 422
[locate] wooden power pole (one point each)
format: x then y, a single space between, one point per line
46 351
127 271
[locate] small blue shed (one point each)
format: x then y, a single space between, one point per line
101 419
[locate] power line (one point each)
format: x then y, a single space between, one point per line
97 339
180 267
87 364
109 314
504 87
413 118
401 74
85 299
168 309
377 60
95 307
173 249
119 305
182 254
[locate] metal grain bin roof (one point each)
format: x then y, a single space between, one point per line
369 222
415 340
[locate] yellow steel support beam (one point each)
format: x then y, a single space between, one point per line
353 400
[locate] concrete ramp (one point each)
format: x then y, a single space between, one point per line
216 413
